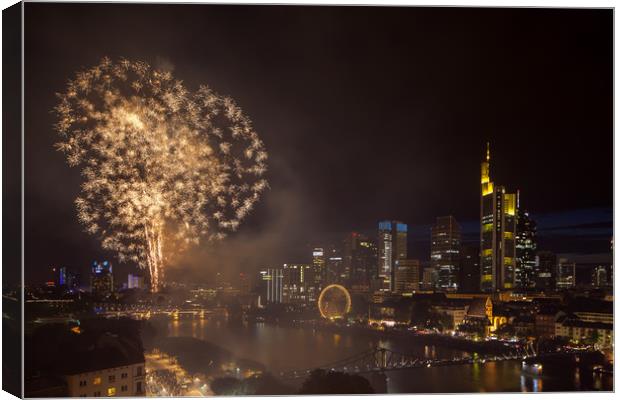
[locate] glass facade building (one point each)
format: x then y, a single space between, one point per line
497 233
392 246
445 250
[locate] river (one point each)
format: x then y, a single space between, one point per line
281 348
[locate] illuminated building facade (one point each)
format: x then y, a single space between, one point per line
407 276
599 277
67 279
525 272
101 279
445 250
360 259
546 270
104 365
135 282
318 267
565 278
334 264
392 246
297 282
469 281
497 233
271 285
429 278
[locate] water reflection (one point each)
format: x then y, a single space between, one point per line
287 348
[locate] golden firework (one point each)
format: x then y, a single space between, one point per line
163 167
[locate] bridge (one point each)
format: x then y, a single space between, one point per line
380 359
145 312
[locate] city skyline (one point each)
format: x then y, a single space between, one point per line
333 153
246 200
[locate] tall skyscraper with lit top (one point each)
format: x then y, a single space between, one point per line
392 247
497 233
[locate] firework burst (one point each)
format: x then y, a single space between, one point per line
163 167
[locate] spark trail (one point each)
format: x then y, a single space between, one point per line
163 167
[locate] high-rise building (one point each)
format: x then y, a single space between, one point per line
566 274
429 278
445 249
67 279
525 243
270 286
599 277
359 258
497 233
135 281
296 281
318 267
101 278
334 264
392 246
407 276
469 272
546 269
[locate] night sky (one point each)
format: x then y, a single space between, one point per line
368 113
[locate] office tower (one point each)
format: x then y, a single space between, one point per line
270 286
101 279
565 278
599 277
469 281
525 243
497 233
334 264
135 281
407 276
546 265
429 278
62 276
359 258
318 267
392 246
296 278
445 249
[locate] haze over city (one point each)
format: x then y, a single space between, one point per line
360 125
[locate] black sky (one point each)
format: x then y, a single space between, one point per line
367 113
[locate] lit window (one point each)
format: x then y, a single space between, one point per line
97 381
111 391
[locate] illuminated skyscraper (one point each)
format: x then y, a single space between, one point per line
445 249
271 285
334 264
392 246
407 276
318 267
566 275
296 281
101 279
135 281
599 277
497 233
525 267
546 269
360 259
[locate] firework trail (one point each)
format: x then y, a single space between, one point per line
163 167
